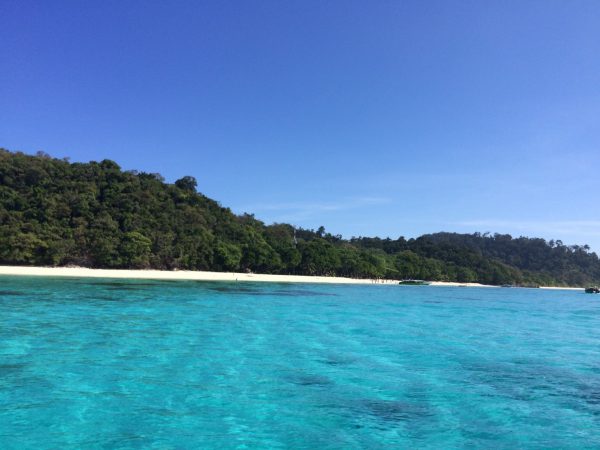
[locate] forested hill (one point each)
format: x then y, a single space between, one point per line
56 213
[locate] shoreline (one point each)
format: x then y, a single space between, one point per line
559 288
84 272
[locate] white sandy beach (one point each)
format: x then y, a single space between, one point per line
210 276
562 288
457 284
179 275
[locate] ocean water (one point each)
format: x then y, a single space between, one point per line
100 363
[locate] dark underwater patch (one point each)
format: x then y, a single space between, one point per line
591 395
311 380
234 290
586 313
9 368
338 360
118 284
122 288
395 411
10 293
303 293
127 287
106 298
334 362
242 290
525 379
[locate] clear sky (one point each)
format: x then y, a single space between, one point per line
370 118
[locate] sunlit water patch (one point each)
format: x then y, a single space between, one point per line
104 363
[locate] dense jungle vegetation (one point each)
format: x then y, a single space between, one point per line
55 213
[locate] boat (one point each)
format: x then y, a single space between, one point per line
414 283
592 290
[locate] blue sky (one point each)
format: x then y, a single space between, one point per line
370 118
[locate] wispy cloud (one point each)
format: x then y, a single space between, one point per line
299 211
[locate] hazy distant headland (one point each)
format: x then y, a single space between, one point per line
56 213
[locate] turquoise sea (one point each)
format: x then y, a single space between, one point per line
103 364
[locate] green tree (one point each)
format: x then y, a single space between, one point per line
135 250
227 256
187 183
319 257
